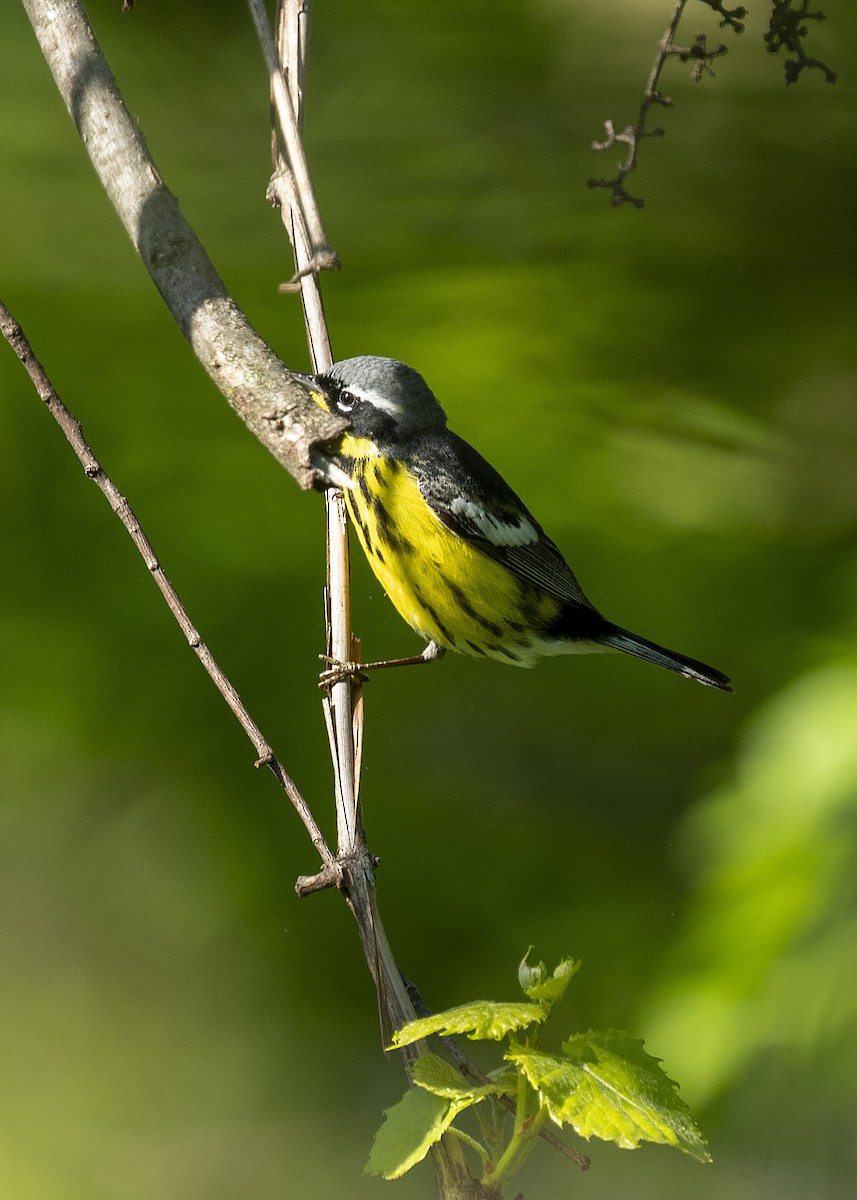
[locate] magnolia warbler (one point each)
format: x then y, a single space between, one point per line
463 560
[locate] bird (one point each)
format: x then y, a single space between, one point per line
458 553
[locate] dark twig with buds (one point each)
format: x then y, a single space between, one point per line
787 29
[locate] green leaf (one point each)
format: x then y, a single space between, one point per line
538 985
439 1077
442 1079
529 976
410 1129
480 1019
606 1085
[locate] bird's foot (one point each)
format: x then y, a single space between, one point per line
337 671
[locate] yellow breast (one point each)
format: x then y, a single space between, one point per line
446 589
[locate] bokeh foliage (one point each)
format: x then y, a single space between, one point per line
672 391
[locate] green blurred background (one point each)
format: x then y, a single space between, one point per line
672 391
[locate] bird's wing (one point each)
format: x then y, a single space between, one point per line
475 502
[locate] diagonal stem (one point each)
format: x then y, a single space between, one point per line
73 431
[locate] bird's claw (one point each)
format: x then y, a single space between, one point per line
338 671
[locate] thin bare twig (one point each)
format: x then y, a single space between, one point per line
321 255
287 185
786 29
73 431
343 704
632 135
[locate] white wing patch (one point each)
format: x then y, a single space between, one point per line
516 532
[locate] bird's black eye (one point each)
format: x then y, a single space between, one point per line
346 401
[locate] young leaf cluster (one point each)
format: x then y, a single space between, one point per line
603 1085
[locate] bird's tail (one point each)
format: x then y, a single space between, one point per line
630 643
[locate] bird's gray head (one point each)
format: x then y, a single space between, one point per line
380 396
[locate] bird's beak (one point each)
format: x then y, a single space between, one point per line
315 389
327 473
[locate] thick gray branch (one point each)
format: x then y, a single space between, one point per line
252 378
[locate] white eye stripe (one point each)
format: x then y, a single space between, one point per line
518 532
377 400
